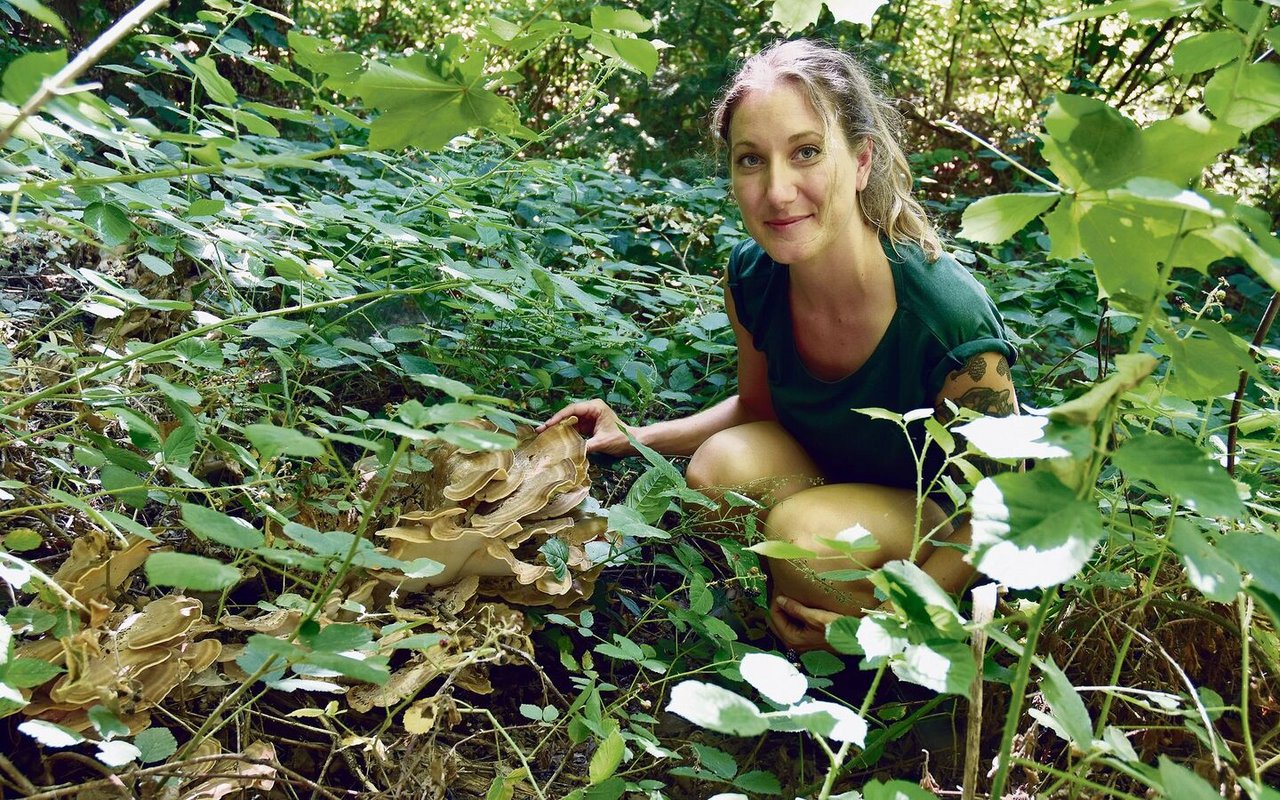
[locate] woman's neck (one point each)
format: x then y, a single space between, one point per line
857 274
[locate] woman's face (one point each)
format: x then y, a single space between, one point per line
796 187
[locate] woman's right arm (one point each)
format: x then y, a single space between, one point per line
680 437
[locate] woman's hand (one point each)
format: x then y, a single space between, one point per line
799 626
599 423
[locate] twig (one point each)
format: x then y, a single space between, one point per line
57 83
984 609
1233 426
24 784
1038 178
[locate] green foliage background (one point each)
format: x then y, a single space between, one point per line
271 239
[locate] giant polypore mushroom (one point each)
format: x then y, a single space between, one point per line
493 513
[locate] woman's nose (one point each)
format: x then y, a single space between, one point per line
781 188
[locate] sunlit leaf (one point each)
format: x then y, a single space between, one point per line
774 677
1179 469
995 218
187 571
1031 531
717 709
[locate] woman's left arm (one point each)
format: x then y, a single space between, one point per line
984 385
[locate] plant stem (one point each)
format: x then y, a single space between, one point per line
1246 620
1004 760
1233 425
951 126
57 83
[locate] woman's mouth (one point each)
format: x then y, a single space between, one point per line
784 223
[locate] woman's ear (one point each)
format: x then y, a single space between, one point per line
863 160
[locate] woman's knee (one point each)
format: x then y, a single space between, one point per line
759 458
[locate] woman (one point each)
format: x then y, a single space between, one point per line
842 299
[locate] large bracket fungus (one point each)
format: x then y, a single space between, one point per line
510 517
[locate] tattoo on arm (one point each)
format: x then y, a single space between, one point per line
984 400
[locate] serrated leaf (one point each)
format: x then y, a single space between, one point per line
1177 468
607 757
342 636
859 12
155 744
716 760
190 572
1031 531
28 673
821 718
117 753
795 15
1207 569
991 220
629 522
475 440
49 734
717 709
106 723
758 782
277 331
179 392
209 524
109 222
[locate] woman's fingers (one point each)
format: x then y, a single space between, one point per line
799 626
596 421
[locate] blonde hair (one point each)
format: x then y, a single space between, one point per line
841 92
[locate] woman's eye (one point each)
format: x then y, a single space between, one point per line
749 160
807 153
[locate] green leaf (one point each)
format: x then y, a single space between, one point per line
786 551
1178 468
180 446
629 522
340 637
21 540
476 440
820 663
716 708
1257 554
206 71
1207 569
994 219
1206 51
119 482
821 718
1066 706
1178 149
209 524
607 757
156 265
795 15
1248 99
28 673
842 634
273 440
637 54
758 782
205 207
700 598
1090 145
607 18
155 744
180 393
109 222
106 723
1180 783
373 670
716 760
190 572
938 664
45 15
49 734
915 593
24 75
1205 367
1030 531
895 790
277 331
648 495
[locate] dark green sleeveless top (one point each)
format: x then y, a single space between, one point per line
944 318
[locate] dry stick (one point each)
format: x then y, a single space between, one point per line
24 784
57 83
1233 426
984 610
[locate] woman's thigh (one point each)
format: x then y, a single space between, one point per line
820 512
759 459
